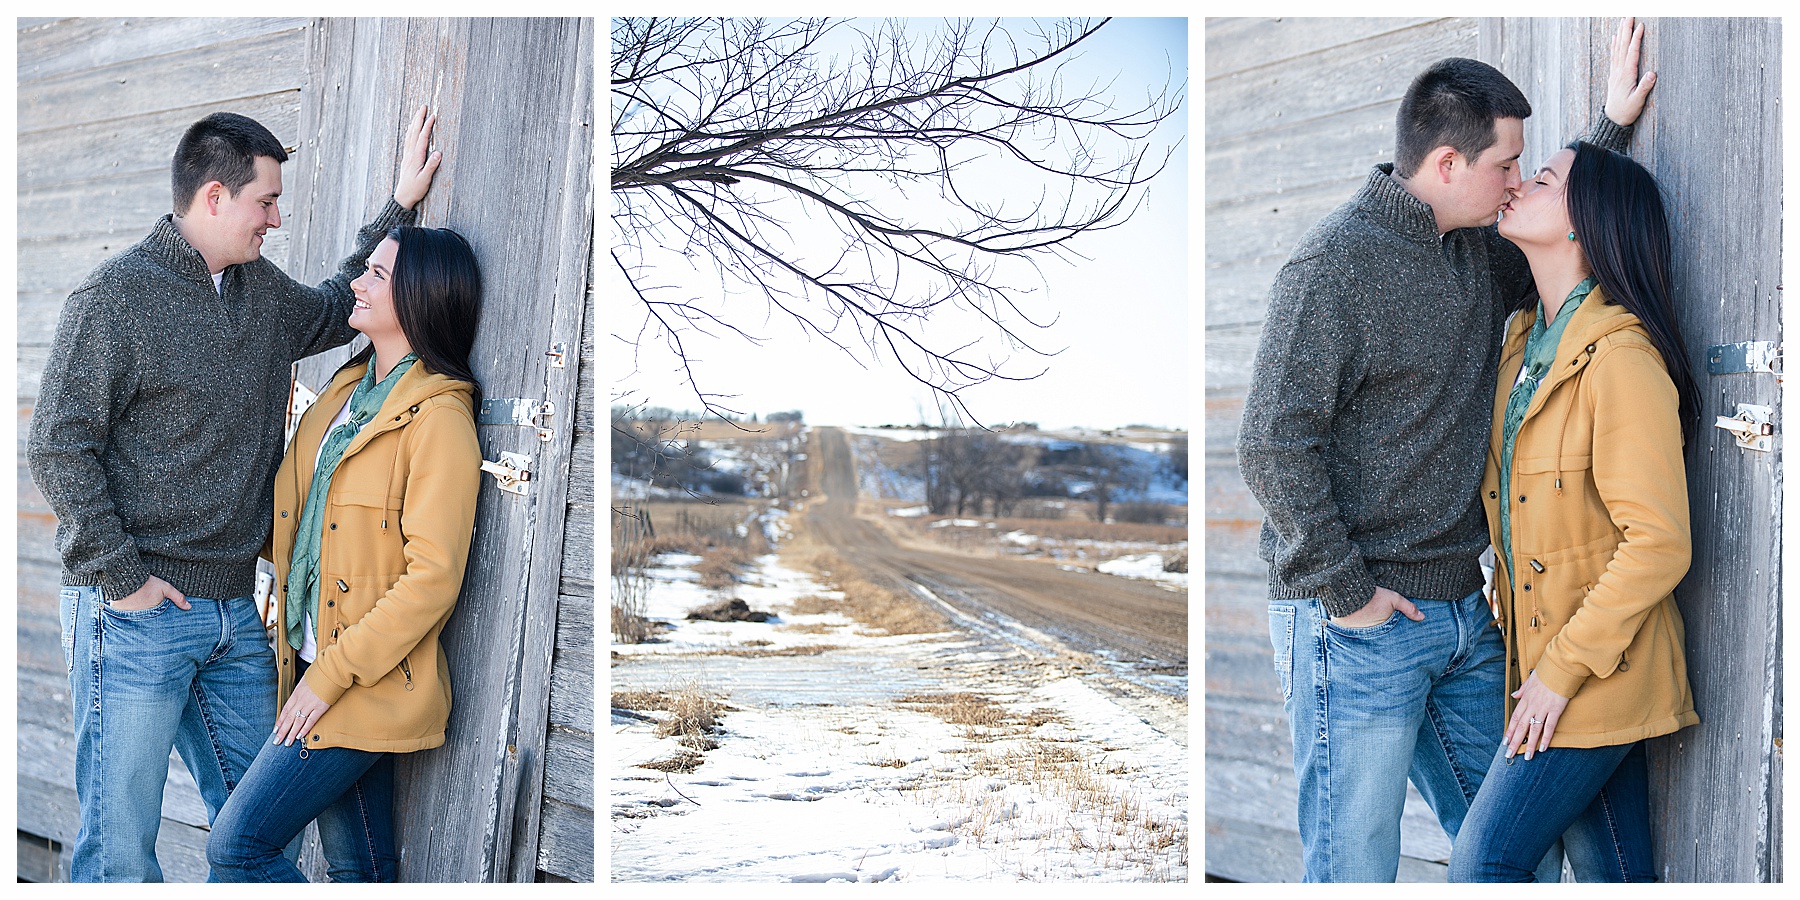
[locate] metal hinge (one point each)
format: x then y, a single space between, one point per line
1743 357
517 411
1751 426
512 471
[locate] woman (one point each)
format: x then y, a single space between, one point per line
374 509
1587 507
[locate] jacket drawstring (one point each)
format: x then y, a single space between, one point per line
388 492
1562 434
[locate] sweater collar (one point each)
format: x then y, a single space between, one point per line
1391 206
165 245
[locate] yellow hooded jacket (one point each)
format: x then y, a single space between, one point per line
400 515
1600 531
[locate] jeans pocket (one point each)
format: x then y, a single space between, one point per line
1369 631
149 612
68 602
1281 636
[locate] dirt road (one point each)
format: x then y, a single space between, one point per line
1134 622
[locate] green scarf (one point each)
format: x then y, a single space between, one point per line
303 565
1540 354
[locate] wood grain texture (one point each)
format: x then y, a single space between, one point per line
566 841
248 67
1333 148
1236 44
1330 79
91 185
120 146
59 47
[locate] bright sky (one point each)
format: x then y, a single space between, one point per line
1123 320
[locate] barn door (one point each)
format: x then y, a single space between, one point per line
514 101
1715 788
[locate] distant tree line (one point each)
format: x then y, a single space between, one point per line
659 446
968 469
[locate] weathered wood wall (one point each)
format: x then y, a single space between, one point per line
101 104
509 797
1715 788
1297 111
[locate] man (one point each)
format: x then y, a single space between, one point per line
1363 438
156 436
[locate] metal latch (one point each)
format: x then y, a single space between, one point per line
512 471
1751 426
517 411
558 354
1745 356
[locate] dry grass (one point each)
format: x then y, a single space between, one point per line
692 712
872 605
692 719
745 651
640 700
808 628
631 552
681 763
961 708
1100 814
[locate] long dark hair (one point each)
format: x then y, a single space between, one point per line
437 300
1616 208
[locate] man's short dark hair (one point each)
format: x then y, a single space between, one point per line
1454 103
222 147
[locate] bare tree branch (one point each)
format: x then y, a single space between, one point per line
862 180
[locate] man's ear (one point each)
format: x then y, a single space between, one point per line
211 194
1442 161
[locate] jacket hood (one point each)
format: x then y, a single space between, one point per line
414 387
1597 318
417 388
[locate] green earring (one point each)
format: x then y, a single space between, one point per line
1571 235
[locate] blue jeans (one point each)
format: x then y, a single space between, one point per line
1597 800
1370 707
200 681
351 794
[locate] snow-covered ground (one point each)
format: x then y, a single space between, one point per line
838 759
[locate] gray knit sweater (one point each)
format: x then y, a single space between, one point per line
1365 430
159 423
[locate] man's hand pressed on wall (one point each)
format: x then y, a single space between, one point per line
1625 91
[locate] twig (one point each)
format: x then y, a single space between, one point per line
677 790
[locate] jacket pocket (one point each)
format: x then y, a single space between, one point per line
362 534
